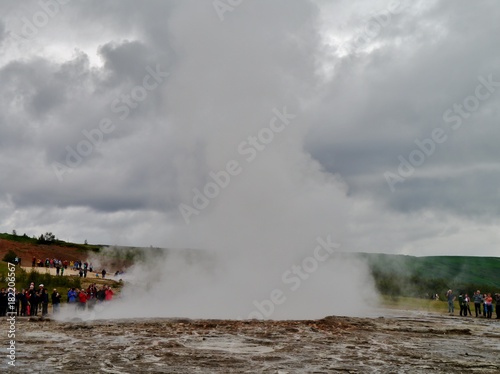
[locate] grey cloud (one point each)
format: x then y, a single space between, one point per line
3 32
472 194
380 103
225 79
125 61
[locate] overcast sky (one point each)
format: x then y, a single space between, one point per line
375 122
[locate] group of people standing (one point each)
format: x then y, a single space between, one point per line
88 298
62 265
32 301
483 304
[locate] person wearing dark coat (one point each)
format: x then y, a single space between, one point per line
4 302
56 301
44 300
497 306
34 299
24 302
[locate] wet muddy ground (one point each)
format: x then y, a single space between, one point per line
404 343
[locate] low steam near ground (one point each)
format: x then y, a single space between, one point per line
201 284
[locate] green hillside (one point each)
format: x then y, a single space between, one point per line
423 276
40 240
18 238
394 275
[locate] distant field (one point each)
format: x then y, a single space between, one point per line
412 303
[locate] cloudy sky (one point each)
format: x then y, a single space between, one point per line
253 124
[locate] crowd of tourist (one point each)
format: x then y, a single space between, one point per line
483 304
62 265
32 301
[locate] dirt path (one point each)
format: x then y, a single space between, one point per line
67 272
408 343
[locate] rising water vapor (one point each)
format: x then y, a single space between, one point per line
253 203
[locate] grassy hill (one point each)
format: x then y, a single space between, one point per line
33 241
26 248
421 276
394 275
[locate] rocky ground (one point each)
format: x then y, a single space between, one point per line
404 343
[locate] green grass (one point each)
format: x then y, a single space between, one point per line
18 238
4 269
412 303
24 278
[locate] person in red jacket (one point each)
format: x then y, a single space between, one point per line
82 299
489 305
108 294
